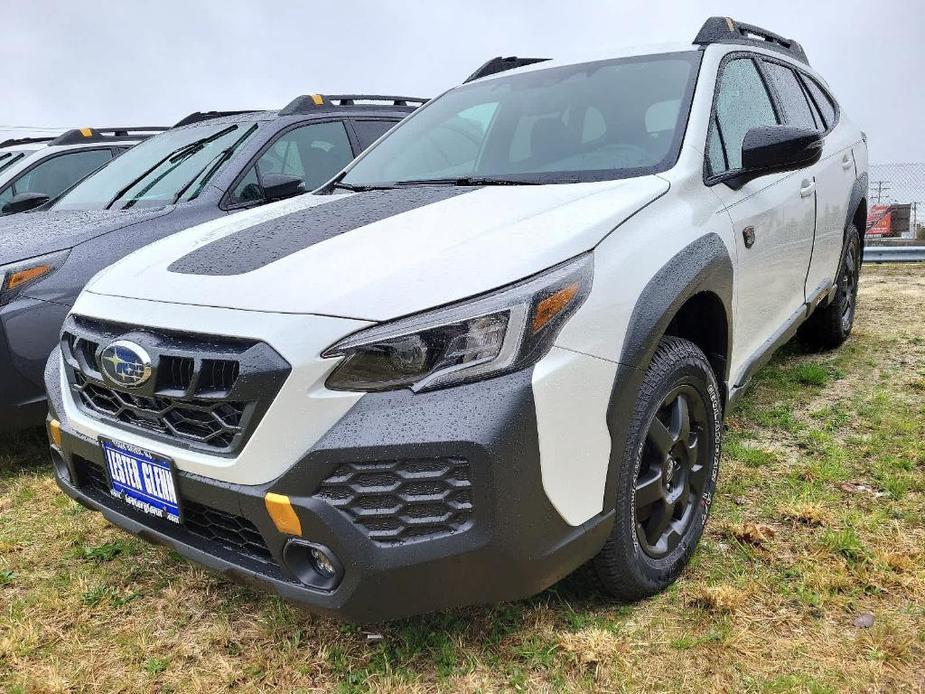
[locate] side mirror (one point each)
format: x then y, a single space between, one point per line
774 148
280 186
24 202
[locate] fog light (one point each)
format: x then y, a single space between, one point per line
313 564
322 563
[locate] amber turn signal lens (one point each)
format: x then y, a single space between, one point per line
284 516
27 275
54 432
552 305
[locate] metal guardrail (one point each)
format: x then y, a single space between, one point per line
894 254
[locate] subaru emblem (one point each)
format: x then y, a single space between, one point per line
125 364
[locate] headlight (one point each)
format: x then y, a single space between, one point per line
15 277
489 335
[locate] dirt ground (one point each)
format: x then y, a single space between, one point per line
811 576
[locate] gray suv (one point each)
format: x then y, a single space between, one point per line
209 165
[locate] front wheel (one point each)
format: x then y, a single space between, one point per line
668 474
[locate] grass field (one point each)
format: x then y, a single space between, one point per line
811 576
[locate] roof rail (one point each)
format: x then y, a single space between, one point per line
727 30
200 116
310 103
87 135
24 141
499 64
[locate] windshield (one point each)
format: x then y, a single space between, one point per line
594 121
171 167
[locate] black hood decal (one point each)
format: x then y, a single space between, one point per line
257 246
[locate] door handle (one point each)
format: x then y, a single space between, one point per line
846 162
807 188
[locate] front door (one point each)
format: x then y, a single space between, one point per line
773 216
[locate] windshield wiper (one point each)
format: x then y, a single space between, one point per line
359 188
13 158
469 181
174 157
212 166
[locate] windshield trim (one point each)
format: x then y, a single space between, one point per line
693 56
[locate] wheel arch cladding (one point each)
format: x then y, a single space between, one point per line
702 268
857 207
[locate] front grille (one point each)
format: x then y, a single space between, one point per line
232 533
208 392
400 501
214 424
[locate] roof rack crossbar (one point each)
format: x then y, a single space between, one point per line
728 30
351 99
81 136
199 116
309 103
500 64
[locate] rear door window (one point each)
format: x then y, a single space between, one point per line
792 98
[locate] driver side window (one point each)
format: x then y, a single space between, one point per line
742 103
313 152
58 173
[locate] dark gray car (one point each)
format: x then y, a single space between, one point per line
204 168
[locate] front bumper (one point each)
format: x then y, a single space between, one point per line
28 333
428 501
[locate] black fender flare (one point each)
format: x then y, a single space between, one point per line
702 266
858 195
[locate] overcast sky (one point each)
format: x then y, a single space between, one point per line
72 64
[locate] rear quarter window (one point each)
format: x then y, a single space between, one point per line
824 101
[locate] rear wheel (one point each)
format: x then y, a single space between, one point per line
668 474
830 325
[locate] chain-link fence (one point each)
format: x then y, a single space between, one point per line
896 202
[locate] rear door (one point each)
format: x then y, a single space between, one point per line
835 176
774 216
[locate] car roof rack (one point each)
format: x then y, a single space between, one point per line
309 103
728 30
81 136
200 116
500 64
24 141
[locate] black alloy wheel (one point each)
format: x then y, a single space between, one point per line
667 473
673 472
848 284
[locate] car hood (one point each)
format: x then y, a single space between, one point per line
377 255
31 234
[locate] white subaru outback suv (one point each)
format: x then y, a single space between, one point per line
498 346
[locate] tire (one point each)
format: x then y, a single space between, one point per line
830 325
636 561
